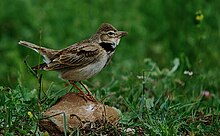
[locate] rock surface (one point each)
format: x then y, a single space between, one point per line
78 112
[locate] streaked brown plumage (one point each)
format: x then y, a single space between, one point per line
81 60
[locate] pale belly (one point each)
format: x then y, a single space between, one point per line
86 72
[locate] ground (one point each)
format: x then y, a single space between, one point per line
164 76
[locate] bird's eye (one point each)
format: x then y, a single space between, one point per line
111 33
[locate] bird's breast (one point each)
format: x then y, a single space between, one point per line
87 71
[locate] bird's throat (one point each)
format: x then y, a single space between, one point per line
108 47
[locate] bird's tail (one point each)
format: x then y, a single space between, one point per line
45 52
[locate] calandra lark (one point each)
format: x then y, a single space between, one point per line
81 60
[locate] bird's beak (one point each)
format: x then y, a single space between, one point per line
121 33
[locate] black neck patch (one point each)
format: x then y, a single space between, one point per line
108 47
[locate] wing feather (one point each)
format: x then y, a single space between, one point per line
76 57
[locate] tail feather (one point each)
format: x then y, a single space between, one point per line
45 52
32 46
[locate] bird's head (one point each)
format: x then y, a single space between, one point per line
109 34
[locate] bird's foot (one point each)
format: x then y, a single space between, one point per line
91 98
87 97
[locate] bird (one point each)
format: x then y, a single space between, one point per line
82 60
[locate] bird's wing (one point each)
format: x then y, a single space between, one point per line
75 57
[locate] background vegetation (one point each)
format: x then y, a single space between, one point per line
164 76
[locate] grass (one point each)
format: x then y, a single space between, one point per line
155 103
163 76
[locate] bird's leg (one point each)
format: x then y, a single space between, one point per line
89 93
84 95
80 91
